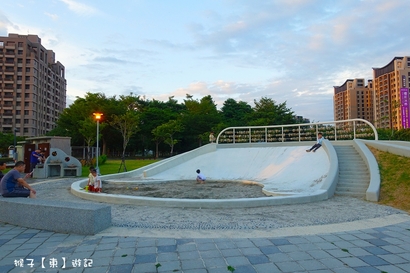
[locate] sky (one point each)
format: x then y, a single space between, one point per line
292 51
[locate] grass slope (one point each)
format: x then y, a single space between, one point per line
395 179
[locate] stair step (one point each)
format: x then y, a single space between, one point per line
358 164
352 189
353 182
345 168
352 165
357 188
351 170
350 183
358 195
354 177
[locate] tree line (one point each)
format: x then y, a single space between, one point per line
132 125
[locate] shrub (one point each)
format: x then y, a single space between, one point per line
102 159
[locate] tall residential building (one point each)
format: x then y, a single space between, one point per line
391 94
353 99
32 86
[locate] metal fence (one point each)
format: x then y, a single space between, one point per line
331 130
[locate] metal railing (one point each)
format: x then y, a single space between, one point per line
332 130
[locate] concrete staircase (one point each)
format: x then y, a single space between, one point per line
354 177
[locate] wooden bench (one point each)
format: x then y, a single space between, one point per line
54 215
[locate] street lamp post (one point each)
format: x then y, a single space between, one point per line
97 117
15 143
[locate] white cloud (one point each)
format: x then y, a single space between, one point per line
52 16
293 51
79 8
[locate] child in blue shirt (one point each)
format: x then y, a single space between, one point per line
318 144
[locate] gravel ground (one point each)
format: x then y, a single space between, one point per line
335 210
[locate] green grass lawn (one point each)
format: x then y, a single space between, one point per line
113 165
395 179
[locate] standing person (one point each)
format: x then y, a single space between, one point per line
211 137
200 178
13 185
3 166
41 157
35 155
318 144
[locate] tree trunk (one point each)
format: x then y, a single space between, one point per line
104 147
156 149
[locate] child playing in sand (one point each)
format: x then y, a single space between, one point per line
94 182
90 183
200 178
97 181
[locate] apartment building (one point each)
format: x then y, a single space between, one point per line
353 99
391 94
32 86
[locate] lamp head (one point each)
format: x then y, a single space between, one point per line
98 115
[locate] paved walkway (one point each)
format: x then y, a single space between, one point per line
342 248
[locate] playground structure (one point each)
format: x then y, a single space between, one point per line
332 130
234 143
57 151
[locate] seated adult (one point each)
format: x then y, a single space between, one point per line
13 185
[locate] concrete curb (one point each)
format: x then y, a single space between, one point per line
401 148
373 191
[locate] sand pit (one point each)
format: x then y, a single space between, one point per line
187 189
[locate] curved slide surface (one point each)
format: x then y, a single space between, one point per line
289 170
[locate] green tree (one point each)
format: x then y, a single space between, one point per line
153 114
268 112
235 113
83 108
165 132
199 119
88 129
127 123
7 140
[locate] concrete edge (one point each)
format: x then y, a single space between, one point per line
373 191
333 174
55 215
76 189
265 233
391 147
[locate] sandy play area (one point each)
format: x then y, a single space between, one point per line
187 189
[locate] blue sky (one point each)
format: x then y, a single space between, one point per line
287 50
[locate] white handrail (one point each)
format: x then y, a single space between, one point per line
316 124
